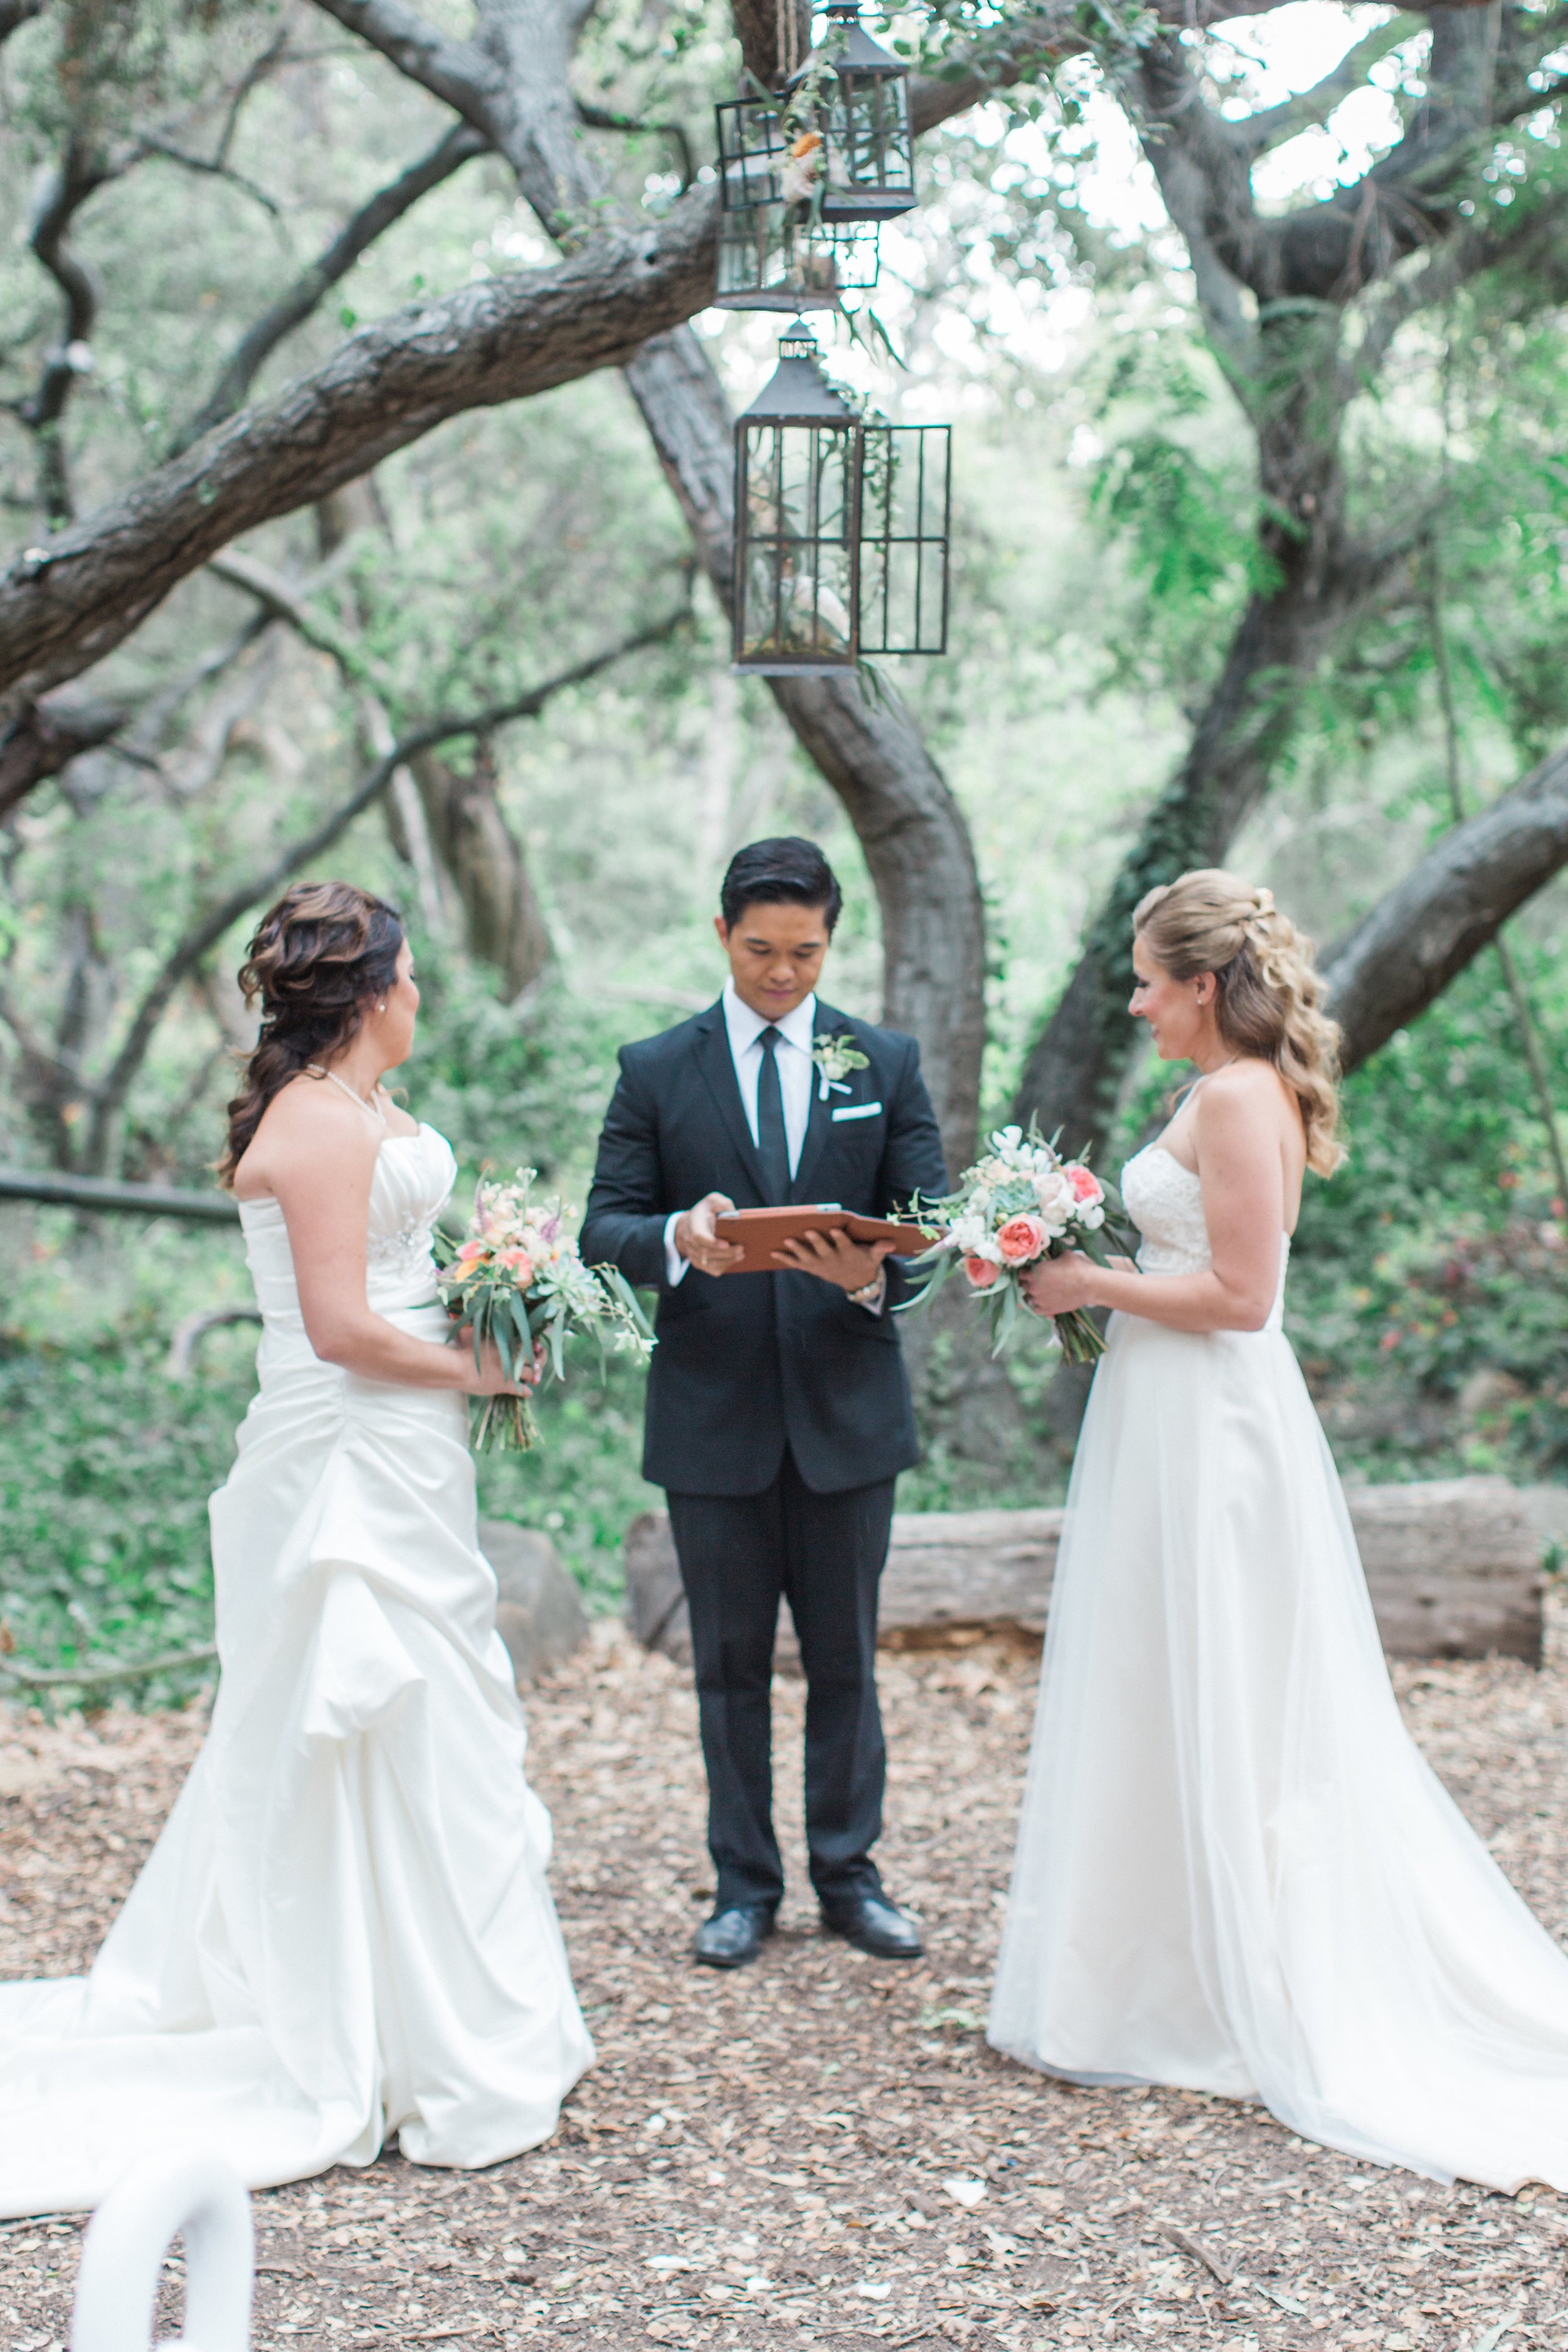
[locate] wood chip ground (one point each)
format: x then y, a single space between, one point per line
821 2149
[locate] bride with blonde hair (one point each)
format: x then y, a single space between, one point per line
1234 1873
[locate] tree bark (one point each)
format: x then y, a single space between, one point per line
1449 907
41 737
503 922
65 604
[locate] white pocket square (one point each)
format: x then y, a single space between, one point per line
858 1110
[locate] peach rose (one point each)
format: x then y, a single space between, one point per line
518 1262
471 1253
981 1272
1086 1185
1021 1239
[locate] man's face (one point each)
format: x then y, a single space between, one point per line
775 953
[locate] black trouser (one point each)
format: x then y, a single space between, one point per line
738 1553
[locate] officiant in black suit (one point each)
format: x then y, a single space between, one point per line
778 1406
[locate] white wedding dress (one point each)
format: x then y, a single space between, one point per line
1235 1872
344 1931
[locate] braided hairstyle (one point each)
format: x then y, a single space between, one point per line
318 958
1268 990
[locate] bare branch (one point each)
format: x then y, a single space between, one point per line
1272 125
65 192
1447 909
43 736
456 71
601 118
209 167
357 235
109 1092
64 604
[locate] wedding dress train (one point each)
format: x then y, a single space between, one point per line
1234 1870
344 1931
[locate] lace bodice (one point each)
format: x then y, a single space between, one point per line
414 1175
1165 1201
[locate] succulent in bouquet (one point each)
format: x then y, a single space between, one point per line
516 1277
1021 1202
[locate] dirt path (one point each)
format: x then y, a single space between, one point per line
821 2149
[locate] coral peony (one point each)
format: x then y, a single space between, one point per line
1021 1239
1086 1185
981 1272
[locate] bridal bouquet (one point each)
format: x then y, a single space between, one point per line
517 1278
1021 1202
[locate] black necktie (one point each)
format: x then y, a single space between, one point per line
773 1144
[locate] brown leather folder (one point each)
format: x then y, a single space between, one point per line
760 1232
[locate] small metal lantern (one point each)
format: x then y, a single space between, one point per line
797 475
777 257
863 125
841 527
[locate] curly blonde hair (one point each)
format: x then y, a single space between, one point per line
1267 1003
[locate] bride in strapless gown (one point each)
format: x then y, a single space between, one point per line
1235 1872
344 1931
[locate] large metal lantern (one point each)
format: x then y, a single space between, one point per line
778 258
841 527
862 118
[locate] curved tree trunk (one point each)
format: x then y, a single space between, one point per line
503 922
1449 907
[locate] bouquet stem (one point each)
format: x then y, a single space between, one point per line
1080 1340
505 1425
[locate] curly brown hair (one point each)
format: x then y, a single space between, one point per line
317 959
1269 990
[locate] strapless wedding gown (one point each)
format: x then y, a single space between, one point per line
1233 1871
344 1931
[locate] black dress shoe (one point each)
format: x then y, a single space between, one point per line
872 1923
731 1938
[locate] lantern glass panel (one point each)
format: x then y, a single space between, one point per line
905 508
796 599
870 159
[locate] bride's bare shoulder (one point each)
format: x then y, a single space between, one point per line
1247 1089
307 1124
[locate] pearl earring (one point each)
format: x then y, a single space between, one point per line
381 1006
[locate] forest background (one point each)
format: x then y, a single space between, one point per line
187 181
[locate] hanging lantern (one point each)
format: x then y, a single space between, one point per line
752 150
841 527
796 468
778 258
858 132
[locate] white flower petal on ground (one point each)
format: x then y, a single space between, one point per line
964 2192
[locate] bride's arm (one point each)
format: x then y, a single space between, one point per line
1241 1169
319 1166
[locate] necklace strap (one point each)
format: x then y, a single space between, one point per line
371 1110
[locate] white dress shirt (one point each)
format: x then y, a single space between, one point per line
796 1071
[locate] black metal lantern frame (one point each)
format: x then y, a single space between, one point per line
857 96
780 257
841 528
836 138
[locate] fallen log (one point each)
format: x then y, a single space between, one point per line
1453 1567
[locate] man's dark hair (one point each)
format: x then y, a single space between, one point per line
787 869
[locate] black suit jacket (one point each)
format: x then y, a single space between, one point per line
746 1363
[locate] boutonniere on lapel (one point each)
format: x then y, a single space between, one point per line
833 1058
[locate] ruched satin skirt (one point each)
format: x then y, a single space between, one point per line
344 1932
1235 1872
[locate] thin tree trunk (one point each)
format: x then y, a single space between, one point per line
503 922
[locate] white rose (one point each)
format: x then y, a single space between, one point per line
1055 1195
1090 1216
